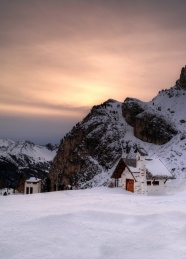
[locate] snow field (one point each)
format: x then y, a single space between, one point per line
94 223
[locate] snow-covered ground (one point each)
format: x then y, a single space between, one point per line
94 223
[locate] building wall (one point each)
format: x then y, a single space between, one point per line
36 187
157 189
142 173
127 175
138 188
119 183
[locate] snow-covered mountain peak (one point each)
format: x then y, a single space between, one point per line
90 151
6 143
26 148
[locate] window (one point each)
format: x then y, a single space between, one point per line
31 190
148 182
155 182
27 190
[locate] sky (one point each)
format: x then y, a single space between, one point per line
58 58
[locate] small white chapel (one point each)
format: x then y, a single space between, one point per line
141 175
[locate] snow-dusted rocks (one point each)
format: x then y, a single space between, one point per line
149 126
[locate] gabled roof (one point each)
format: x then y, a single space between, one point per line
154 167
130 162
33 180
123 163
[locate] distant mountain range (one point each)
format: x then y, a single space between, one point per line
88 154
23 159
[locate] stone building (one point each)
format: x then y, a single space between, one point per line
141 175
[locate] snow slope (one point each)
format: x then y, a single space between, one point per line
171 105
97 223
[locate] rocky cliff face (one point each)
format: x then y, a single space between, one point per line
153 129
131 108
149 126
92 146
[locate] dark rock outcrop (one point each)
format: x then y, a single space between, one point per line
153 129
148 125
181 82
131 108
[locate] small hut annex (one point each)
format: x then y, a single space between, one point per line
32 185
141 175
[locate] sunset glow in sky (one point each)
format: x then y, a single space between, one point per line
59 58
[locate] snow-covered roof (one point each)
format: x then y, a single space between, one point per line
33 180
156 168
131 165
133 169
